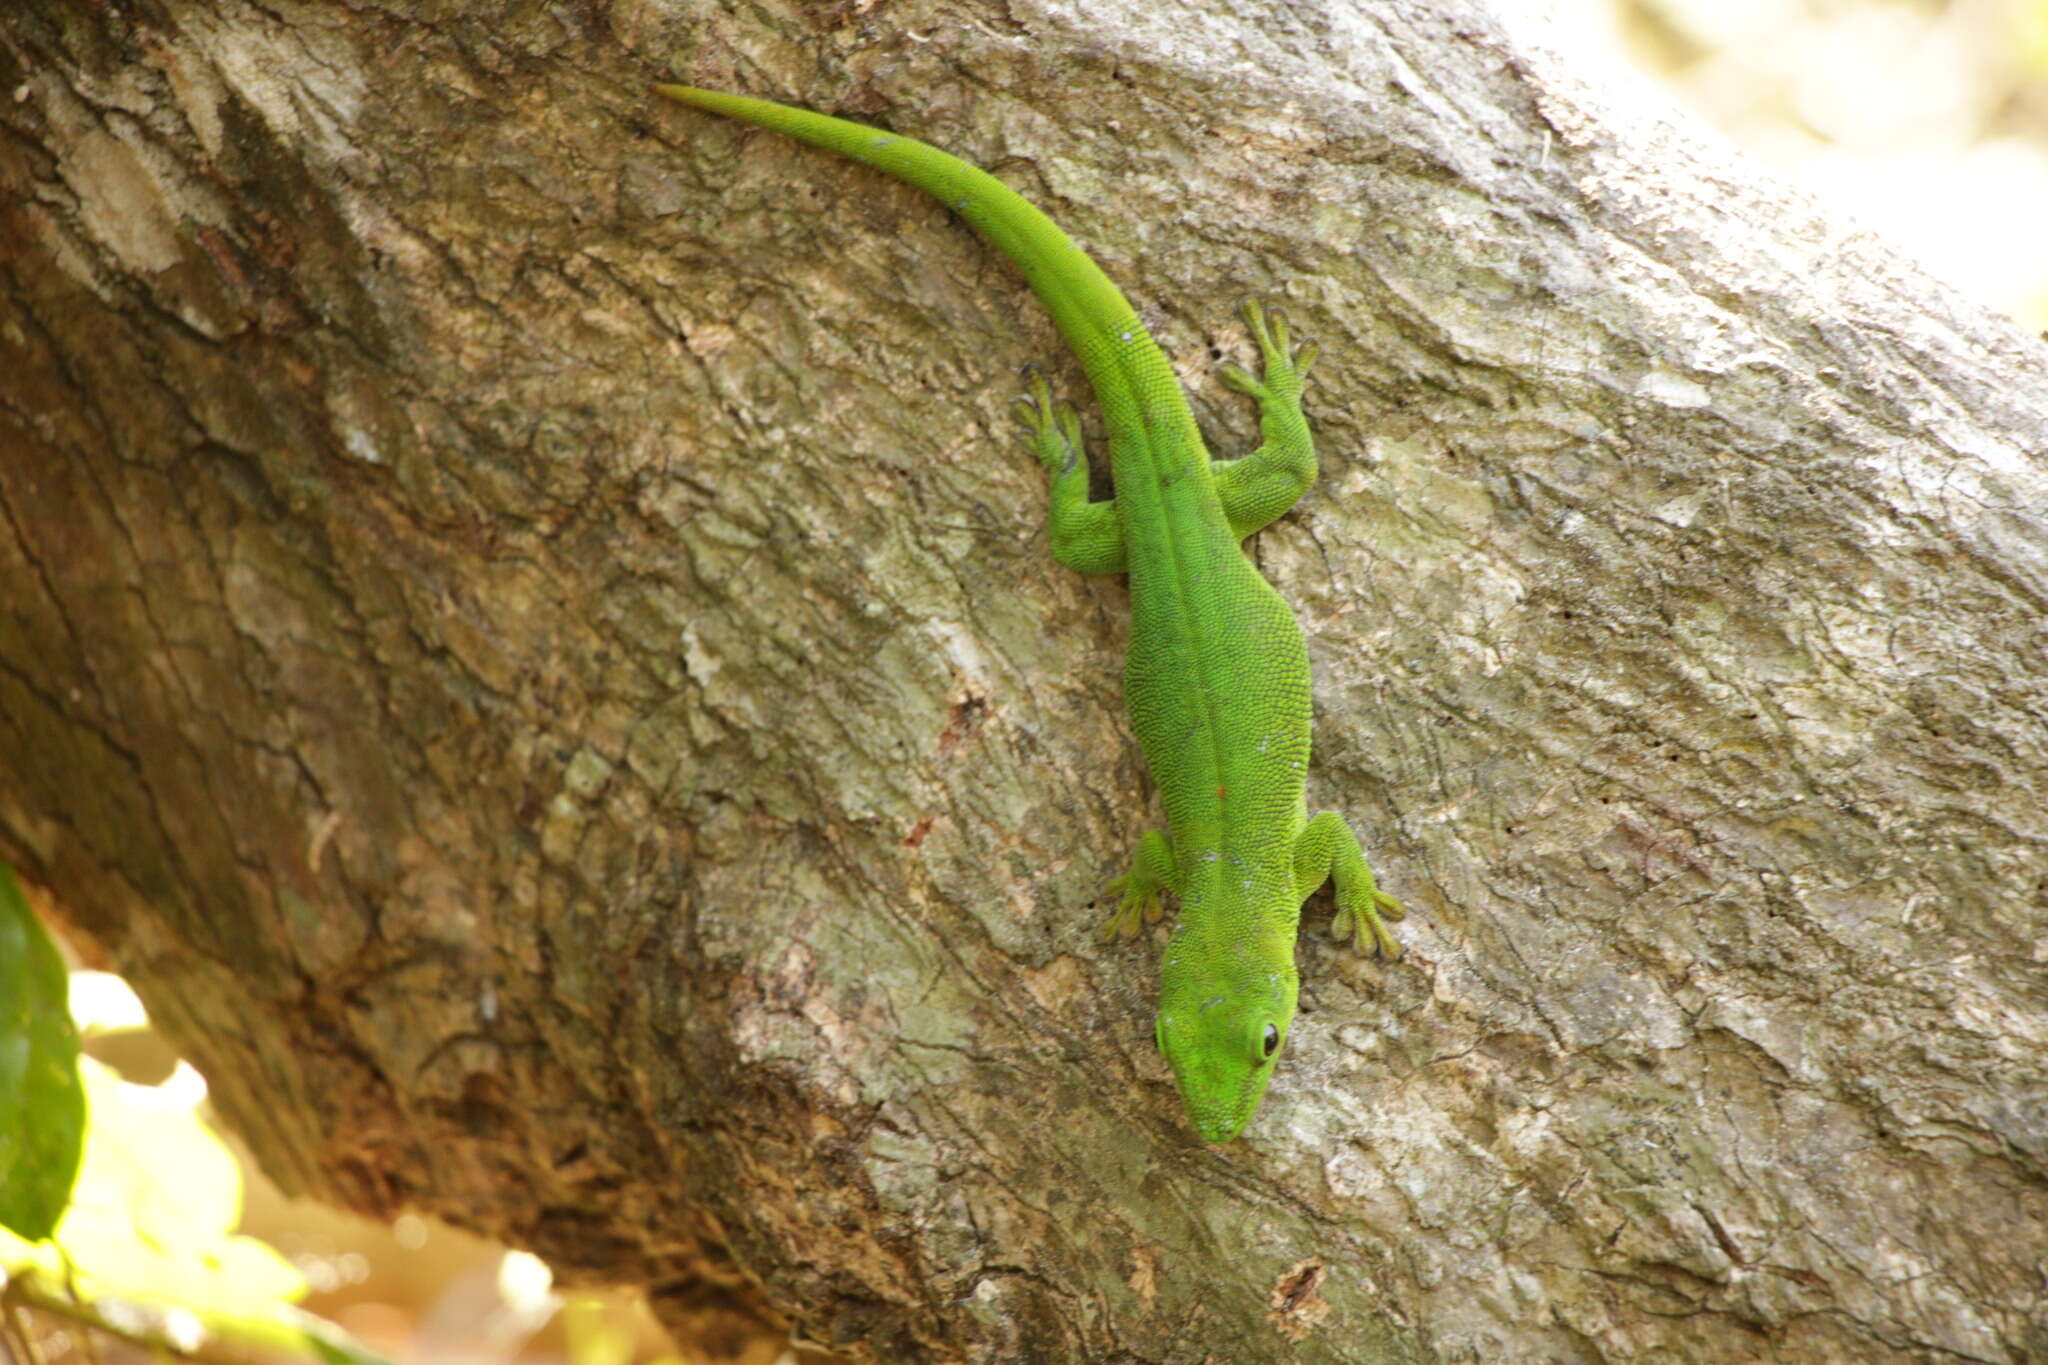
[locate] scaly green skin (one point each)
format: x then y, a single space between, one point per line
1217 675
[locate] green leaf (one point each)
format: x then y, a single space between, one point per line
152 1225
42 1108
142 1242
154 1213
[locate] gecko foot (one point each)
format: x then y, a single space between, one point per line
1138 905
1365 923
1053 428
1285 364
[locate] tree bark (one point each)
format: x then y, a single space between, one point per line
528 638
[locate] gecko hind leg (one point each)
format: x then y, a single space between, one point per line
1086 536
1257 489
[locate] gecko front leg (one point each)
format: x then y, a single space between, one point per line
1327 850
1138 892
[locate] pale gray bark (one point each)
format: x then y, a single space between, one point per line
527 638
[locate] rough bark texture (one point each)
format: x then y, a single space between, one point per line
526 636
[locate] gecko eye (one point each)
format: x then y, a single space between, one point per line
1272 1040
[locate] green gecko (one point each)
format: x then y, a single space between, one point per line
1217 674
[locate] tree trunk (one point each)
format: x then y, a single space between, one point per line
528 638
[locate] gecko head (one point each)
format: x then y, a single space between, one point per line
1222 1032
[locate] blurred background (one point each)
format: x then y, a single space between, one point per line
1925 120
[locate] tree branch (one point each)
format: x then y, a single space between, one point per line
527 646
